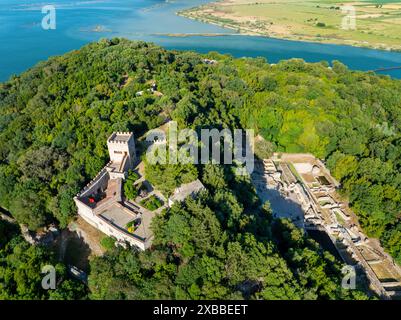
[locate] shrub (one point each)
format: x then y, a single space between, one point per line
130 191
152 203
108 243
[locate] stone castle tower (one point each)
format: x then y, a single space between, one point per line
121 147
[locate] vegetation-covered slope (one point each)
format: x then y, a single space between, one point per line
21 270
55 119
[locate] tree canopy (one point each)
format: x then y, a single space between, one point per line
55 119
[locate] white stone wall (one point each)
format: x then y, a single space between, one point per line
99 182
117 175
117 149
89 216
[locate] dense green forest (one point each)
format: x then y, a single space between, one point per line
56 117
21 270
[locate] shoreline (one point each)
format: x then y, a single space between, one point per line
198 34
250 32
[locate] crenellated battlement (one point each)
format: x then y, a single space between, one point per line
121 147
105 211
94 181
120 137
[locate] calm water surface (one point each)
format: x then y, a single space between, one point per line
23 42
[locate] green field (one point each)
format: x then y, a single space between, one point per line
377 23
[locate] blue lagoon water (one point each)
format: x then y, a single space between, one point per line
23 42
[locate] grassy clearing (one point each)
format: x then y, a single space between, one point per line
378 22
340 219
295 173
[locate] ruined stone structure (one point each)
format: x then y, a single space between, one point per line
303 179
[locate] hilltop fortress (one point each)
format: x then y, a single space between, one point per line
102 203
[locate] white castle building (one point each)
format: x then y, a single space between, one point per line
101 203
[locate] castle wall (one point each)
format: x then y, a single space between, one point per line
97 222
99 182
121 236
117 150
122 155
